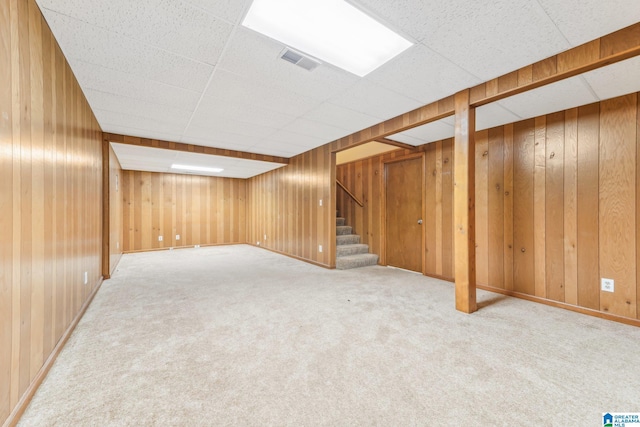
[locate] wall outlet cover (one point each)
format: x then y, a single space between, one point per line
319 248
606 285
159 238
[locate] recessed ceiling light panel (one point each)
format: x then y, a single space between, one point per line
332 30
196 168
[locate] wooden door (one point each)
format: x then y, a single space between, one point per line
403 214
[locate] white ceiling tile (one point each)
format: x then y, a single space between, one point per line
341 117
297 139
315 129
269 145
141 133
110 50
615 80
492 115
215 124
487 40
110 102
437 77
557 96
434 131
375 100
204 136
584 20
160 160
94 77
244 112
257 57
173 25
229 10
231 88
107 118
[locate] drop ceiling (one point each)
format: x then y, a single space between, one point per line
187 71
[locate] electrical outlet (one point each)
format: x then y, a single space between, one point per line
258 243
319 248
320 205
86 277
177 237
196 246
265 237
159 238
606 284
117 245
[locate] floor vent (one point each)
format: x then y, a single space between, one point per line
299 59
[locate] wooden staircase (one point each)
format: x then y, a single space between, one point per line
350 253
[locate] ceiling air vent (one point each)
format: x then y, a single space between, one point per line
299 59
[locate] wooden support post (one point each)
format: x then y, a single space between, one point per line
464 204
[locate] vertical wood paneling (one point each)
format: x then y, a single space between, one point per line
588 271
438 206
618 204
508 247
6 218
297 187
523 164
116 211
571 207
554 207
429 223
50 198
205 210
482 207
447 208
495 204
539 207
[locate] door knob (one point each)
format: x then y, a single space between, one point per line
420 221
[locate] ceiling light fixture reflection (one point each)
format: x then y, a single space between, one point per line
196 168
332 30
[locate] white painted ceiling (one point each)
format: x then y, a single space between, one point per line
187 71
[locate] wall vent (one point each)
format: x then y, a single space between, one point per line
299 59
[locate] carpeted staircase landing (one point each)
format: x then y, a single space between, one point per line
350 253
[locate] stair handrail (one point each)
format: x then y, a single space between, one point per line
346 190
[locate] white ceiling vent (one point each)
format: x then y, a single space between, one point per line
299 59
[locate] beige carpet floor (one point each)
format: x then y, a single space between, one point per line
240 336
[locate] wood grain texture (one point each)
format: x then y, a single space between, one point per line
50 198
618 204
482 206
523 218
464 204
116 211
211 210
554 207
539 207
614 47
508 248
278 202
571 207
403 209
587 225
495 208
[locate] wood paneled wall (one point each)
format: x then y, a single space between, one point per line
116 211
201 210
557 205
284 206
50 198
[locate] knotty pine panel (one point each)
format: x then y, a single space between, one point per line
50 196
202 210
284 212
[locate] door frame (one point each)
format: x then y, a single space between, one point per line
383 217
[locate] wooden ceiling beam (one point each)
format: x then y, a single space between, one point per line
191 148
606 50
396 143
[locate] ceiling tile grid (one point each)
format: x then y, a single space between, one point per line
186 70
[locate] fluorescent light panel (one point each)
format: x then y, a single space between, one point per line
196 168
331 30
